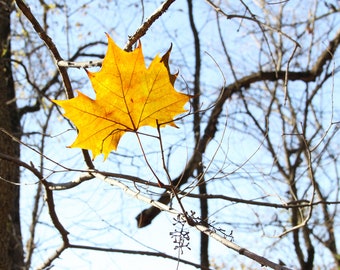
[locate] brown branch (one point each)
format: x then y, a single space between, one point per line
53 214
49 260
147 24
197 119
49 44
57 224
21 164
51 207
290 204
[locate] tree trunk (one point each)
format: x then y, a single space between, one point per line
11 249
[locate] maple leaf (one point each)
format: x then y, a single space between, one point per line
128 96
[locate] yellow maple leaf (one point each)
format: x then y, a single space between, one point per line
128 96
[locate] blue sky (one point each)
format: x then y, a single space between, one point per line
98 214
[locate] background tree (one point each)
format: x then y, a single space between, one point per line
254 161
11 251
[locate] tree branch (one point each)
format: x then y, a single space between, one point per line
49 44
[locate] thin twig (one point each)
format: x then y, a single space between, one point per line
134 252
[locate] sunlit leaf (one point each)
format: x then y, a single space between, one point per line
128 96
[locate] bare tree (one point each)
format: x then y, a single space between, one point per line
253 165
